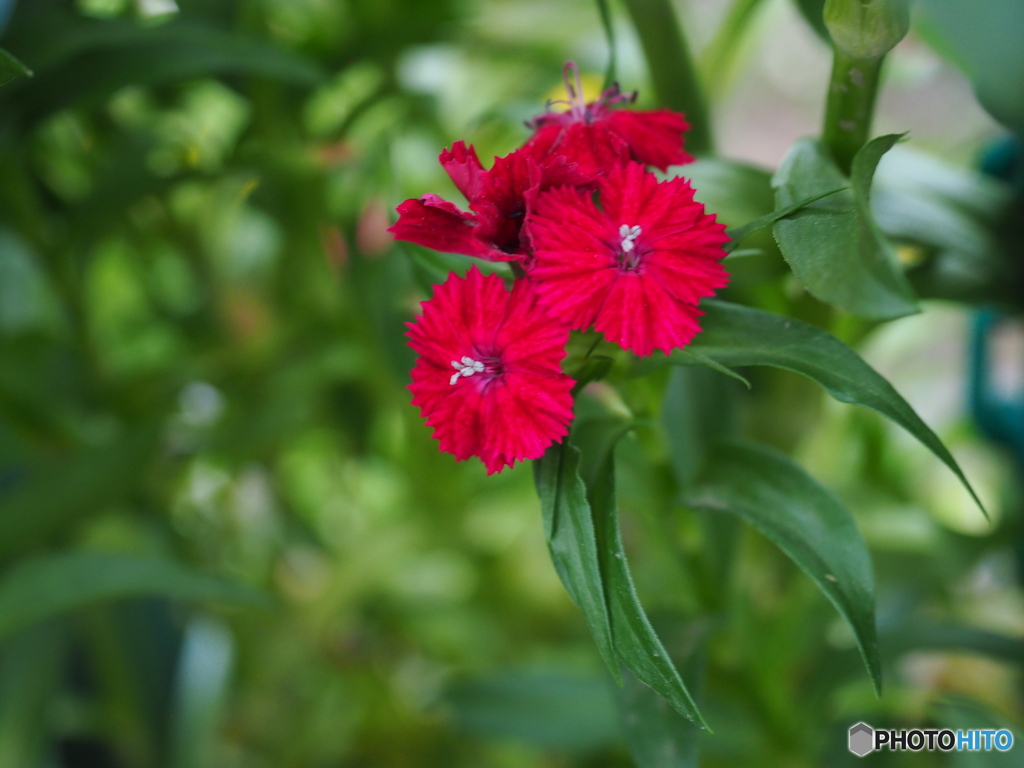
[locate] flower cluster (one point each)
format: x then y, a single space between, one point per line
597 241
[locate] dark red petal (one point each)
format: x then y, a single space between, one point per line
464 168
500 205
435 223
654 138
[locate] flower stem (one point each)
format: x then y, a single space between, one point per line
672 71
850 106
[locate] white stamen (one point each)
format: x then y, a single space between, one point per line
629 235
466 368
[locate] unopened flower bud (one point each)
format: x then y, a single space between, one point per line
866 29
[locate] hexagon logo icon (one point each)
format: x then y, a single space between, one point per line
862 739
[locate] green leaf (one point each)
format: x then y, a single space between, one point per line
609 33
87 63
720 56
814 12
701 359
569 530
953 213
862 172
833 246
636 642
699 409
11 68
734 192
737 234
550 709
32 670
775 495
61 493
920 174
735 335
48 586
983 39
657 735
954 637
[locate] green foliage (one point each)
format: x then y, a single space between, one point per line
636 643
42 588
741 336
776 496
227 539
981 40
569 528
833 246
11 68
581 517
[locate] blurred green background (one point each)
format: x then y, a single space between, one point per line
226 538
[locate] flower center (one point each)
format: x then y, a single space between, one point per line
628 255
466 368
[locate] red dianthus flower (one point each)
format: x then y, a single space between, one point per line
598 138
636 267
488 378
499 199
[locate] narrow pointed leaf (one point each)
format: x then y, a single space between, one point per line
813 12
48 586
569 530
954 637
11 68
862 172
609 33
636 642
775 495
836 249
701 359
32 674
735 335
737 234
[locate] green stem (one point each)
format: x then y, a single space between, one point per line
852 92
672 72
